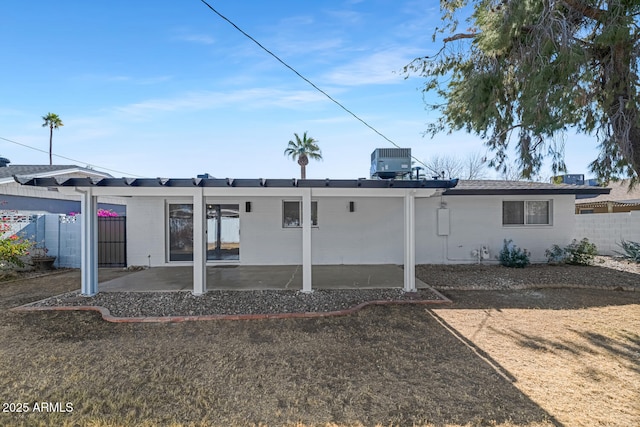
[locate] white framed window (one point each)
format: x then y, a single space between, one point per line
292 213
526 212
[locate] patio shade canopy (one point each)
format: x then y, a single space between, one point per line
199 188
227 182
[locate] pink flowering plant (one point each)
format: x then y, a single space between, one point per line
12 249
107 213
101 213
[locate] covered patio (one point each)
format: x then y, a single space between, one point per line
382 211
272 277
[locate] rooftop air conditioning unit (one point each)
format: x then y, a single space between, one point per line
390 163
575 179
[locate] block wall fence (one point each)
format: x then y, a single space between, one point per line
607 230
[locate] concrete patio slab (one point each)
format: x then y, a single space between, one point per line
180 278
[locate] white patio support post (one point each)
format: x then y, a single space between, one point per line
89 242
199 244
409 241
306 241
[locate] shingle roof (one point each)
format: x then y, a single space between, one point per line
497 187
31 170
619 193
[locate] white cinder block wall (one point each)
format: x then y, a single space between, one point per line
371 234
607 230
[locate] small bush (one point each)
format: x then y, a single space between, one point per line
513 256
631 250
555 255
575 253
12 249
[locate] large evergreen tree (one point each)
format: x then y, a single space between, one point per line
526 71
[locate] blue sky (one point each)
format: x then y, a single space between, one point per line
169 89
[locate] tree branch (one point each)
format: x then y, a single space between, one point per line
459 36
586 10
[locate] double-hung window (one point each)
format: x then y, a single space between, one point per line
292 214
526 212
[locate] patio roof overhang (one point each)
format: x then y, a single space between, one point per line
200 188
239 187
230 183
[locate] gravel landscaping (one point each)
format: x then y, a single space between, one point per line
143 304
606 273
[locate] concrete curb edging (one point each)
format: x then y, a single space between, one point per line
106 314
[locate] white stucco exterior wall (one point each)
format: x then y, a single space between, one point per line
146 231
370 235
476 221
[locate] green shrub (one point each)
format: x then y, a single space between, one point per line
513 256
12 249
631 250
575 253
555 255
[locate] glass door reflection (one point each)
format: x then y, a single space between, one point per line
223 232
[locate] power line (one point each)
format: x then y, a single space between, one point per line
277 58
69 158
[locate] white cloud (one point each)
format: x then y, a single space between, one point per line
247 98
379 68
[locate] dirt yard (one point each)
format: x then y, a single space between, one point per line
532 357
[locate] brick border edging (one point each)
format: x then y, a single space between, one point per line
625 288
106 314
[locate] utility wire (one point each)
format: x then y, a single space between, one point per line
69 158
277 58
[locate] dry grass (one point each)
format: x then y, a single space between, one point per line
529 358
581 365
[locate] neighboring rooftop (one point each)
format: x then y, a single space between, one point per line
619 194
44 170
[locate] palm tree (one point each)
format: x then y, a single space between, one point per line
53 122
302 150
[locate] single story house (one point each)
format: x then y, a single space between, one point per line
206 221
620 199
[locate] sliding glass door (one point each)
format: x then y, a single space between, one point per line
223 232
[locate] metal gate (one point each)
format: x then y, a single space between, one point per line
112 241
